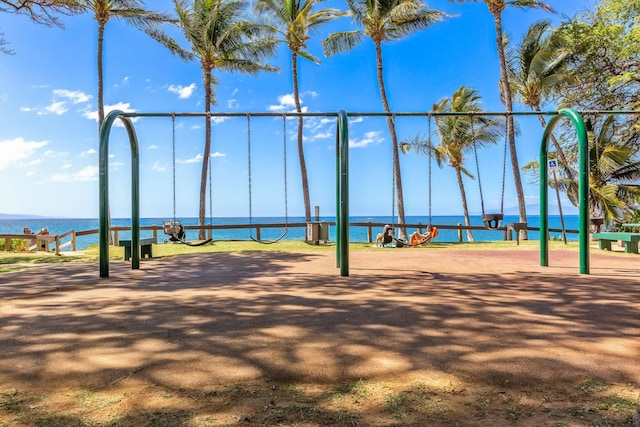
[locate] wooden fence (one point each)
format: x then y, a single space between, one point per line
42 242
36 241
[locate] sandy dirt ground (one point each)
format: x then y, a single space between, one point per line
411 337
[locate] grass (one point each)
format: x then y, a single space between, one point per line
16 261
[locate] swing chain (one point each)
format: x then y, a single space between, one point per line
249 165
504 161
284 151
393 180
173 146
430 161
475 152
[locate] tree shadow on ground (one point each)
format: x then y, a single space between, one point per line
193 322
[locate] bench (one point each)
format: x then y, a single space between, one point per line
145 247
630 240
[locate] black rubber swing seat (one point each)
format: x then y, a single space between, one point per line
492 221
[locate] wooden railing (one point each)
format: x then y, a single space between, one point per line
42 242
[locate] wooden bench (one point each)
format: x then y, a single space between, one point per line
145 247
630 240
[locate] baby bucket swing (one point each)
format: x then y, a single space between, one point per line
492 221
173 227
286 210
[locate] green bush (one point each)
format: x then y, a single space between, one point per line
18 245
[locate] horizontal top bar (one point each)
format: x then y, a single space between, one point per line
378 114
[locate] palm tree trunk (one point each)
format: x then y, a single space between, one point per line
508 100
303 165
402 233
465 209
101 105
205 155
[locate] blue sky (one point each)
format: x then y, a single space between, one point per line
49 135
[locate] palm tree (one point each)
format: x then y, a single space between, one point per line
458 135
294 19
541 72
220 39
614 173
384 21
132 12
496 7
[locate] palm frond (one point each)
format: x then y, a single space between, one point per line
341 42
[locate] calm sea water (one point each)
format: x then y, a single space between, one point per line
357 234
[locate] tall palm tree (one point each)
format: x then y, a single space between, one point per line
294 20
384 21
130 11
220 38
458 136
541 72
614 173
496 7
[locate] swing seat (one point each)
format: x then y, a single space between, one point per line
174 229
492 221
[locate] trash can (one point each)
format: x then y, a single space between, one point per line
317 231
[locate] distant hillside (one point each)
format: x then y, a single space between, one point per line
21 216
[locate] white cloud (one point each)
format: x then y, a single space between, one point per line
89 152
124 82
153 147
372 137
17 150
196 159
217 119
55 154
27 109
232 103
286 101
116 165
183 92
323 135
354 120
159 167
122 106
76 96
89 173
58 108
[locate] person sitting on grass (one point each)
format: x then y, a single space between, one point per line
418 239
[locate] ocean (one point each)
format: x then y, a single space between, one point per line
356 234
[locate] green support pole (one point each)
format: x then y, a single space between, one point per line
103 182
583 188
342 151
338 224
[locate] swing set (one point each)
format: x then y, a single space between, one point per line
342 175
